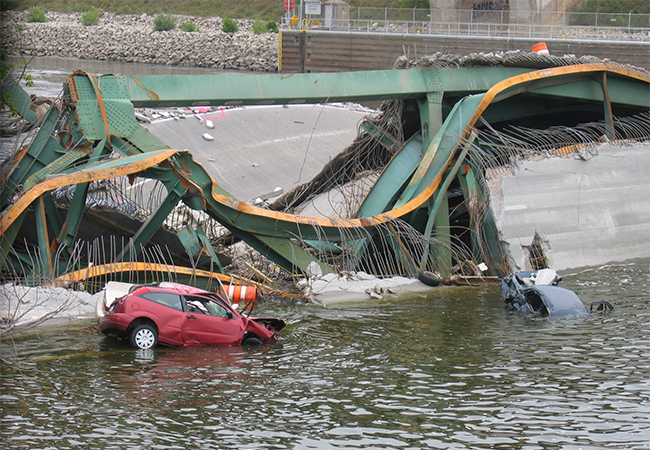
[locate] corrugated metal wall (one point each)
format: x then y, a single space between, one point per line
332 51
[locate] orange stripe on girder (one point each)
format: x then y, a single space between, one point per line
113 268
416 202
79 177
100 101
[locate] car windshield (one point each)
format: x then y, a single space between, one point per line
205 305
215 297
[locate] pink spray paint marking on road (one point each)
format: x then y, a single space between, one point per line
202 110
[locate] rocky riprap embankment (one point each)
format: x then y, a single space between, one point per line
130 38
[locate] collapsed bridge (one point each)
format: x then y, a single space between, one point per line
426 208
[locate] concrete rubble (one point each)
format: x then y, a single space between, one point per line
571 203
24 306
356 286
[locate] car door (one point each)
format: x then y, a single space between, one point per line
214 324
166 310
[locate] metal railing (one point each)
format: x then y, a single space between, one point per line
505 23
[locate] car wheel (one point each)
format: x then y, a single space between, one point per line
144 337
252 341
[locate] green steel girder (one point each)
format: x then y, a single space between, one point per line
68 231
153 222
198 246
607 106
265 89
52 213
70 228
44 150
104 112
380 135
21 99
289 255
439 211
90 172
433 164
57 166
7 238
384 192
443 254
45 255
104 107
473 200
395 175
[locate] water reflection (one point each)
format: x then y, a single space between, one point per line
450 369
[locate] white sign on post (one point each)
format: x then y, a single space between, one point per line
312 8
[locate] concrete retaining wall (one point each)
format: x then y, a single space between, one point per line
331 51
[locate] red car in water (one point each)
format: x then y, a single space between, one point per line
182 316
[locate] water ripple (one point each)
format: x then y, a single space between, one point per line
451 371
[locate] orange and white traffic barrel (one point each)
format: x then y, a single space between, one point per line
541 48
238 293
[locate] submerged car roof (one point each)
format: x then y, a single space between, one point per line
560 301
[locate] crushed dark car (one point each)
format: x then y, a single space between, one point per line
537 292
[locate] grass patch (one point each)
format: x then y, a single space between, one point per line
164 22
229 25
189 26
260 27
36 14
272 26
6 5
241 9
90 17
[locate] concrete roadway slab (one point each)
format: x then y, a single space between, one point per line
258 148
587 212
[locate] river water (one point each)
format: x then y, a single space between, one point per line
49 73
448 368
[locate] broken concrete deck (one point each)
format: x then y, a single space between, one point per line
259 148
587 211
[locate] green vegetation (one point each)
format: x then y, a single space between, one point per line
36 14
610 13
240 9
5 99
90 17
6 5
272 26
259 27
189 26
613 6
229 25
164 22
390 3
263 27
